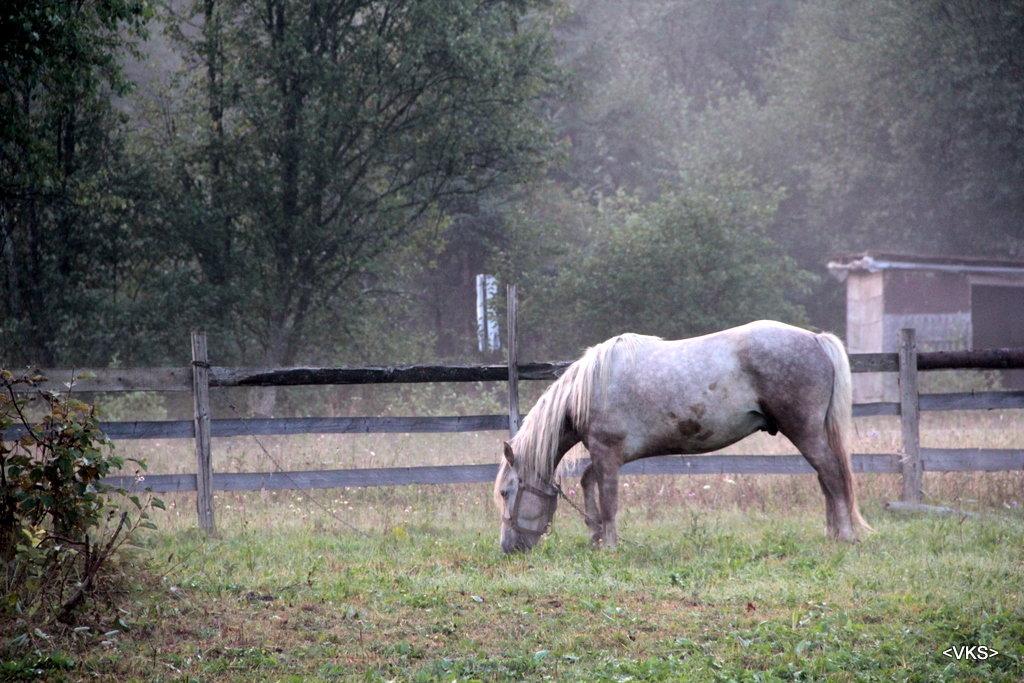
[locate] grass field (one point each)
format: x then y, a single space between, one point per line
287 592
719 578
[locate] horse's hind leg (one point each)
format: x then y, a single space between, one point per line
588 482
834 484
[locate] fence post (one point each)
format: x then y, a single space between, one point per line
512 306
910 461
204 461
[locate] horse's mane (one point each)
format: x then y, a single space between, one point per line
569 397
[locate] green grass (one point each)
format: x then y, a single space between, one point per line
720 578
694 594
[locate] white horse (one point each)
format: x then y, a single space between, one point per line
635 396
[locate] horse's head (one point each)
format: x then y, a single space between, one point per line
526 502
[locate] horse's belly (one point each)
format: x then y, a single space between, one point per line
697 434
674 401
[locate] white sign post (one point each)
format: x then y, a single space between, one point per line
488 338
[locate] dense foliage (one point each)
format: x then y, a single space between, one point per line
63 232
691 262
329 134
304 177
886 125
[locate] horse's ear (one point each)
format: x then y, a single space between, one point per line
509 455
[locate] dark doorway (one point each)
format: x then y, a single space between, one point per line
997 319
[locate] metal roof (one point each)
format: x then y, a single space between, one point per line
873 262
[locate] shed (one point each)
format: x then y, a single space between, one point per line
953 303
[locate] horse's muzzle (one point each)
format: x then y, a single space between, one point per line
517 545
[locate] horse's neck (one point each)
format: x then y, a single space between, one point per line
567 438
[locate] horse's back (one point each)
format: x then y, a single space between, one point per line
703 393
743 349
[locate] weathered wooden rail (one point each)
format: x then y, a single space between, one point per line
198 379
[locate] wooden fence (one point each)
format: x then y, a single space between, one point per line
201 377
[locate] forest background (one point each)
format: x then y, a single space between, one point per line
318 181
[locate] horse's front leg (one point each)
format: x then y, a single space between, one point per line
603 479
608 484
589 483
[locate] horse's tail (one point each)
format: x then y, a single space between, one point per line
839 419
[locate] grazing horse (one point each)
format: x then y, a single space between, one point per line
635 396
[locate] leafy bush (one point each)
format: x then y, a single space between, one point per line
59 525
697 259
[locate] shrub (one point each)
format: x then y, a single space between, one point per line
59 523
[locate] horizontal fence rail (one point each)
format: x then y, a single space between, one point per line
934 460
201 377
185 429
180 378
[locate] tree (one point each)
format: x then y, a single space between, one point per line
890 125
696 260
900 124
62 231
643 71
328 134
